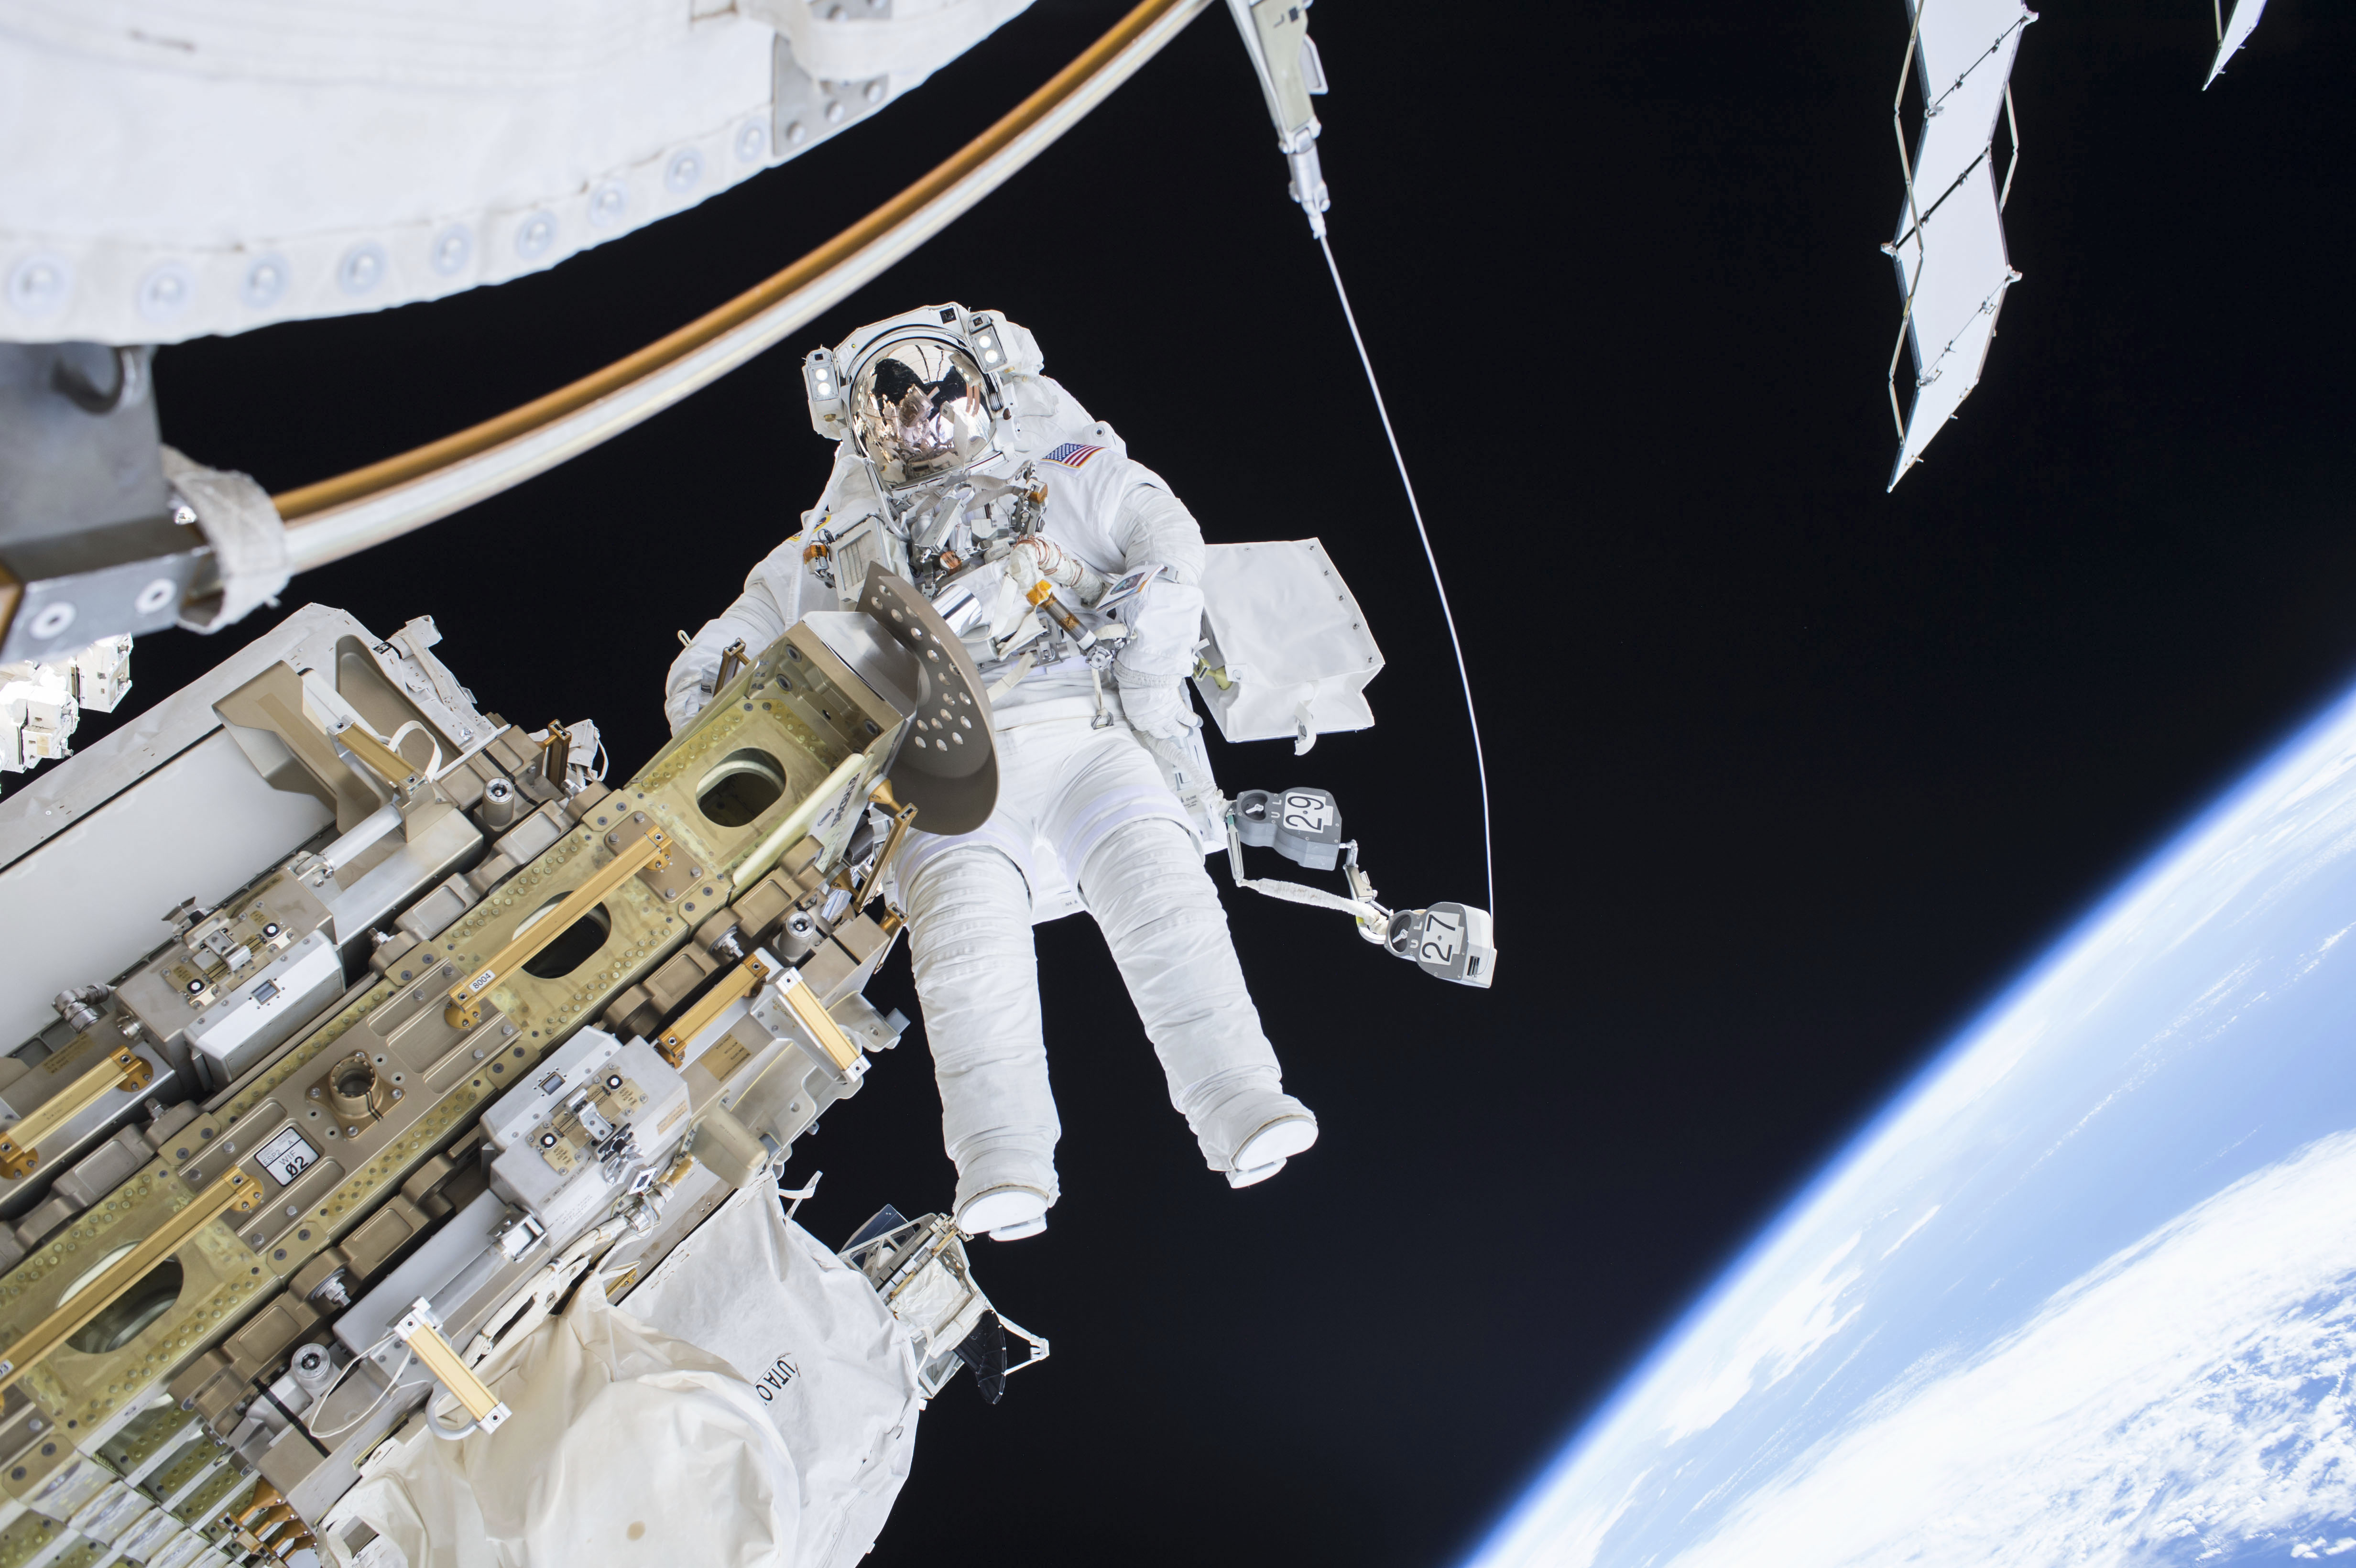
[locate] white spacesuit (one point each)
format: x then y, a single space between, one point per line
962 467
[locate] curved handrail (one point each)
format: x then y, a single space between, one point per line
343 515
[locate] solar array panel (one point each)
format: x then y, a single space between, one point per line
1953 269
2234 33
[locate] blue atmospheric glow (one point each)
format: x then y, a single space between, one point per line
2111 1179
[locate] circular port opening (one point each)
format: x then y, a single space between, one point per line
744 784
125 1317
573 946
353 1089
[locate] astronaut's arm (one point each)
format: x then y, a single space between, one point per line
1154 528
776 593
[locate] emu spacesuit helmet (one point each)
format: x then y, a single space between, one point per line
920 395
920 410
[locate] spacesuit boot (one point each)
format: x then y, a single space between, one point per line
1260 1128
1004 1193
1161 915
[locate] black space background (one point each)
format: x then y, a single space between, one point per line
1792 775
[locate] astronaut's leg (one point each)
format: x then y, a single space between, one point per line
970 943
1145 884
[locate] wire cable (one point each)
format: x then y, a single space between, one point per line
391 1385
319 1400
1480 763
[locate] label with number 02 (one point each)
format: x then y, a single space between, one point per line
287 1157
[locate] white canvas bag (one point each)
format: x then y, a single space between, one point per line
756 1408
1291 640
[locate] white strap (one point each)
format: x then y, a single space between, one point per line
1013 678
801 1195
249 542
1318 898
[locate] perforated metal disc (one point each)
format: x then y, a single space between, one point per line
947 768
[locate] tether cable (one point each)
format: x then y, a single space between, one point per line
1480 763
343 515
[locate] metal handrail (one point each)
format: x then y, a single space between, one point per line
343 515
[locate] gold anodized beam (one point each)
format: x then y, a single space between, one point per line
450 1370
900 817
816 1019
20 1141
672 1045
379 758
465 1007
232 1188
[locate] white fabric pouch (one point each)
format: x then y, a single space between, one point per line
835 1372
1287 635
780 1441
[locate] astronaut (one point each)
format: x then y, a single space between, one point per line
963 468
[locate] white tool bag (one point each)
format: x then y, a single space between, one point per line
755 1408
1289 654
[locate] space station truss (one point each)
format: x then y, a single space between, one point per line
1953 269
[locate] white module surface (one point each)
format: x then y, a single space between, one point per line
1952 264
54 900
192 167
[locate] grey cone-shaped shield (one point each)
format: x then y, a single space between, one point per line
947 767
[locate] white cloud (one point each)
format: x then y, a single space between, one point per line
2192 1393
1772 1347
2112 995
1573 1535
1908 1234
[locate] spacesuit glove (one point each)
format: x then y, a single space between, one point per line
1033 558
1156 706
1186 765
681 709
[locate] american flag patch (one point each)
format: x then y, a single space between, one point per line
1071 454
